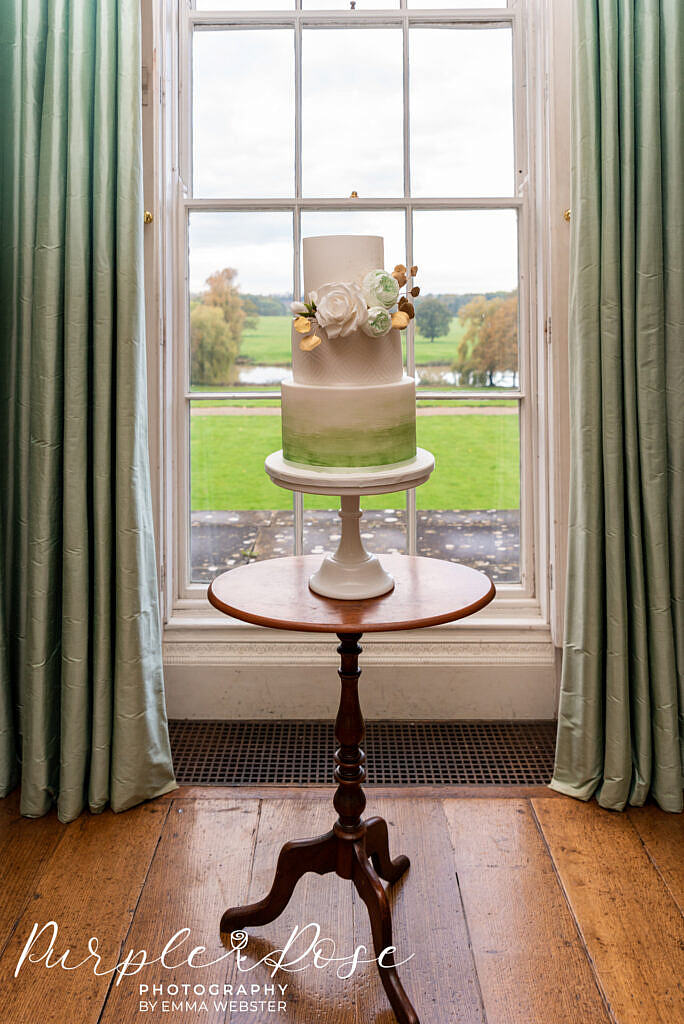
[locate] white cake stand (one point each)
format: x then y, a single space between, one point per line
352 573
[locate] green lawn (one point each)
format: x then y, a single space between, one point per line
269 343
477 464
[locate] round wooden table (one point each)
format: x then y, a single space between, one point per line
276 593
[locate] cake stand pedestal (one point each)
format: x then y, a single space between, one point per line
351 573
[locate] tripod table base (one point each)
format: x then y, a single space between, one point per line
354 848
365 861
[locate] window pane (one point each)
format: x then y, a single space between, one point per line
243 113
383 524
352 112
237 514
461 108
467 312
240 268
469 510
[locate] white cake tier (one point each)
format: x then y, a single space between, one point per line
329 259
356 425
356 359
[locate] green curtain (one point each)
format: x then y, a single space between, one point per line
82 714
621 716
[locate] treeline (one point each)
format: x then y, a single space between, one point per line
454 302
267 305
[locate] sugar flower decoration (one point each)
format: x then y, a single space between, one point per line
309 343
302 325
340 308
380 289
379 322
343 307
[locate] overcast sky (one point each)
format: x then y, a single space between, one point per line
461 145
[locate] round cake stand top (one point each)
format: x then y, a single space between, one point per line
372 480
276 593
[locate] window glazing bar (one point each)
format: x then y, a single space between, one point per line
466 18
442 396
216 204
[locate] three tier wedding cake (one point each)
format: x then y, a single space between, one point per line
349 404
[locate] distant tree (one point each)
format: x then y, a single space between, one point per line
222 292
433 318
267 305
251 311
218 317
489 342
213 347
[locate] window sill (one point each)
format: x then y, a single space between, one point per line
514 634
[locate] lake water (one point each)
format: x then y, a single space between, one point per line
263 374
433 375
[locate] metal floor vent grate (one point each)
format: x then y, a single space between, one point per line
243 753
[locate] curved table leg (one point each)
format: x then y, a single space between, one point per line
377 848
373 895
295 859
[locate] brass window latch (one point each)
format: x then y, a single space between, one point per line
148 217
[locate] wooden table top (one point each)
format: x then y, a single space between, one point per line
276 593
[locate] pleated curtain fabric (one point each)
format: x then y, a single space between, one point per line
82 712
621 718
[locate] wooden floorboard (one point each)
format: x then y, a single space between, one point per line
201 865
663 836
89 887
632 927
26 844
530 959
428 922
313 996
311 792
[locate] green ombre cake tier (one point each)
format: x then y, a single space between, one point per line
372 425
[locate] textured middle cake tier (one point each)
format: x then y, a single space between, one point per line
354 425
356 359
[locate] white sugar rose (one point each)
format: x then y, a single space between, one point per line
340 308
379 322
380 289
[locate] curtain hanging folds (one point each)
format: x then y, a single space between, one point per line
621 720
82 715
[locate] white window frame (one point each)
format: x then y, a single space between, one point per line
185 610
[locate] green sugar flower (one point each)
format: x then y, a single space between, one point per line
379 322
380 289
